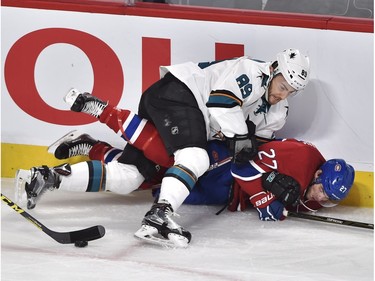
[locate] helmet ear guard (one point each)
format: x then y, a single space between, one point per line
294 66
337 178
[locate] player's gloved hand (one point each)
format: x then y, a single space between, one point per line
272 212
244 147
245 155
285 188
268 207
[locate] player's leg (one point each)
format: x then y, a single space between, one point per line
182 128
88 176
132 171
76 143
132 128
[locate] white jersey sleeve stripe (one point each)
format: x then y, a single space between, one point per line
247 172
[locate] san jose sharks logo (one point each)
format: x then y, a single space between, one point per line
262 108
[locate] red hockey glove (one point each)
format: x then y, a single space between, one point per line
268 207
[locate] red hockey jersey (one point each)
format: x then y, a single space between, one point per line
294 158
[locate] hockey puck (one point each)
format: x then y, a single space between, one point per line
81 244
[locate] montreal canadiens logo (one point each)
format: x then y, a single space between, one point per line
337 168
215 156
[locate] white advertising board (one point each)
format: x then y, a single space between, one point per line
100 53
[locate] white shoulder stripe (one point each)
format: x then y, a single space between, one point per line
250 178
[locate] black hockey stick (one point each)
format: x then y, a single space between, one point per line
330 220
87 234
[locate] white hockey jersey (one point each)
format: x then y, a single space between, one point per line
229 91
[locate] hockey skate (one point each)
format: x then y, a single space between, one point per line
158 228
38 180
72 144
85 102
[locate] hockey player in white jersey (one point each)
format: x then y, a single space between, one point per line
192 103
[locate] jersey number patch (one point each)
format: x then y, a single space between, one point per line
268 159
246 87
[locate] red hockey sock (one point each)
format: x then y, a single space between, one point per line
138 132
99 150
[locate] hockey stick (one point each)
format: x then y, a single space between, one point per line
330 220
87 234
220 163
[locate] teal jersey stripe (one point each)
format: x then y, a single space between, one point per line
223 99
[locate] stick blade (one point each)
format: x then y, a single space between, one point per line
87 234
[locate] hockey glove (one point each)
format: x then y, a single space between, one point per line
244 147
268 207
272 212
285 188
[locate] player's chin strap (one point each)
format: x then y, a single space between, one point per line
305 206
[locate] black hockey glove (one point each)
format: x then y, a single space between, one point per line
244 147
285 188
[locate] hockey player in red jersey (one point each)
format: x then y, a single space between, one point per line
292 174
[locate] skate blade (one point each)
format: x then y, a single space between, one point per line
22 177
150 235
69 136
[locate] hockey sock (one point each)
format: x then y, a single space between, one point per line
89 176
103 151
173 191
179 180
138 132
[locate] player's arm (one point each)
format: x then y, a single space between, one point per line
285 188
248 180
239 133
269 192
268 207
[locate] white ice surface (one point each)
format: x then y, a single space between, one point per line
230 246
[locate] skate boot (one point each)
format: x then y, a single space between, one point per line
85 102
72 144
40 179
158 228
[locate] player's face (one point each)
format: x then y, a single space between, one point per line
279 89
316 191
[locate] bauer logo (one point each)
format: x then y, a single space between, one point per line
264 200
